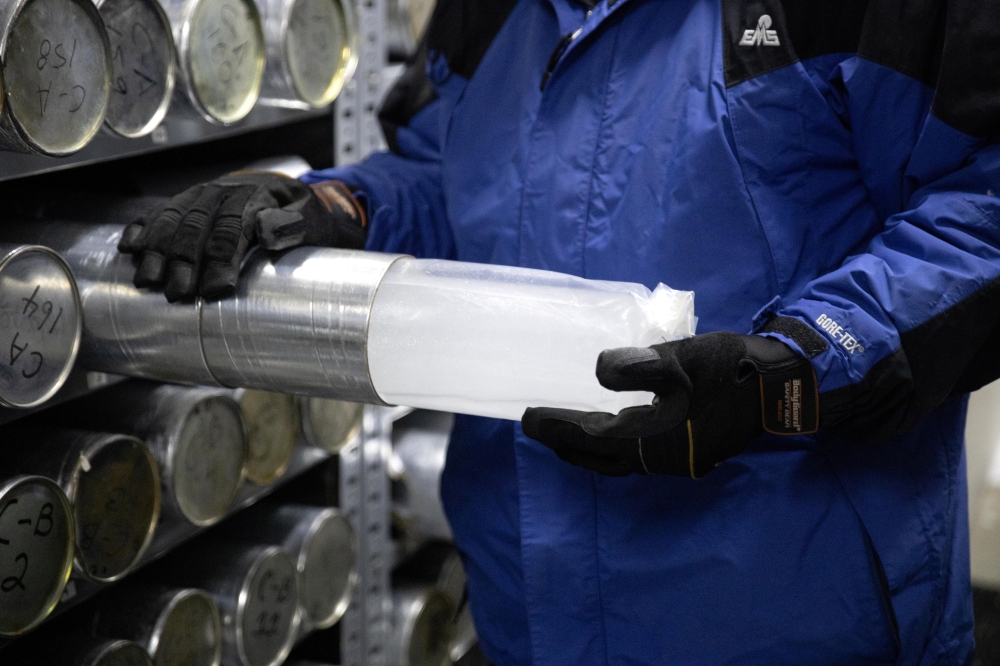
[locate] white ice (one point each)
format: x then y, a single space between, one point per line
494 340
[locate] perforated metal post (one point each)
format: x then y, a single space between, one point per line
364 496
357 131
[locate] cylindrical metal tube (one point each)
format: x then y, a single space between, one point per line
272 421
465 634
312 49
81 650
112 484
321 542
420 444
127 331
330 424
196 435
308 307
57 75
143 65
256 590
422 627
220 47
40 324
177 627
36 551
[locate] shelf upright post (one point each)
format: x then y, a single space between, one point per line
364 498
356 131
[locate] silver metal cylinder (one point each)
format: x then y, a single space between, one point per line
272 421
308 307
312 50
452 580
256 590
176 626
57 75
126 331
220 47
465 634
321 541
81 650
40 324
420 445
143 65
422 627
330 424
36 551
111 482
297 323
196 435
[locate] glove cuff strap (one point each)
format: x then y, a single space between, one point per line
789 400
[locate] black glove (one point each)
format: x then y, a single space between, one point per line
194 244
714 393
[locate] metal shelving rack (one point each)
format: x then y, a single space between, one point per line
364 484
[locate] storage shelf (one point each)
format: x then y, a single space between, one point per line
170 535
173 132
78 384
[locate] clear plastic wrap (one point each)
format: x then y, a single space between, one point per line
494 340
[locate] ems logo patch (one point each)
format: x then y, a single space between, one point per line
762 34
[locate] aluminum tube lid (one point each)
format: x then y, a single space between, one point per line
422 626
297 323
57 75
330 424
189 632
273 424
40 324
114 487
177 626
207 454
326 563
312 50
36 532
220 47
143 65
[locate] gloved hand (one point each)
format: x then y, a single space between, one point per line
714 393
194 244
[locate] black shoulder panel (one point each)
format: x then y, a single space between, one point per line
952 46
760 36
968 90
905 35
464 29
460 30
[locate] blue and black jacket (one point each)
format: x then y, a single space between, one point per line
826 173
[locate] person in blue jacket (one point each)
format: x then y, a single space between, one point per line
825 177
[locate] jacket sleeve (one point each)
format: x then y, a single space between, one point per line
401 188
915 317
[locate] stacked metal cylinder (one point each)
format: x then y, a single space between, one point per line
71 67
432 623
131 471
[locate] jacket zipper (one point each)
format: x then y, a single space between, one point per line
557 54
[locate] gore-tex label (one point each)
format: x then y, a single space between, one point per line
789 402
837 332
